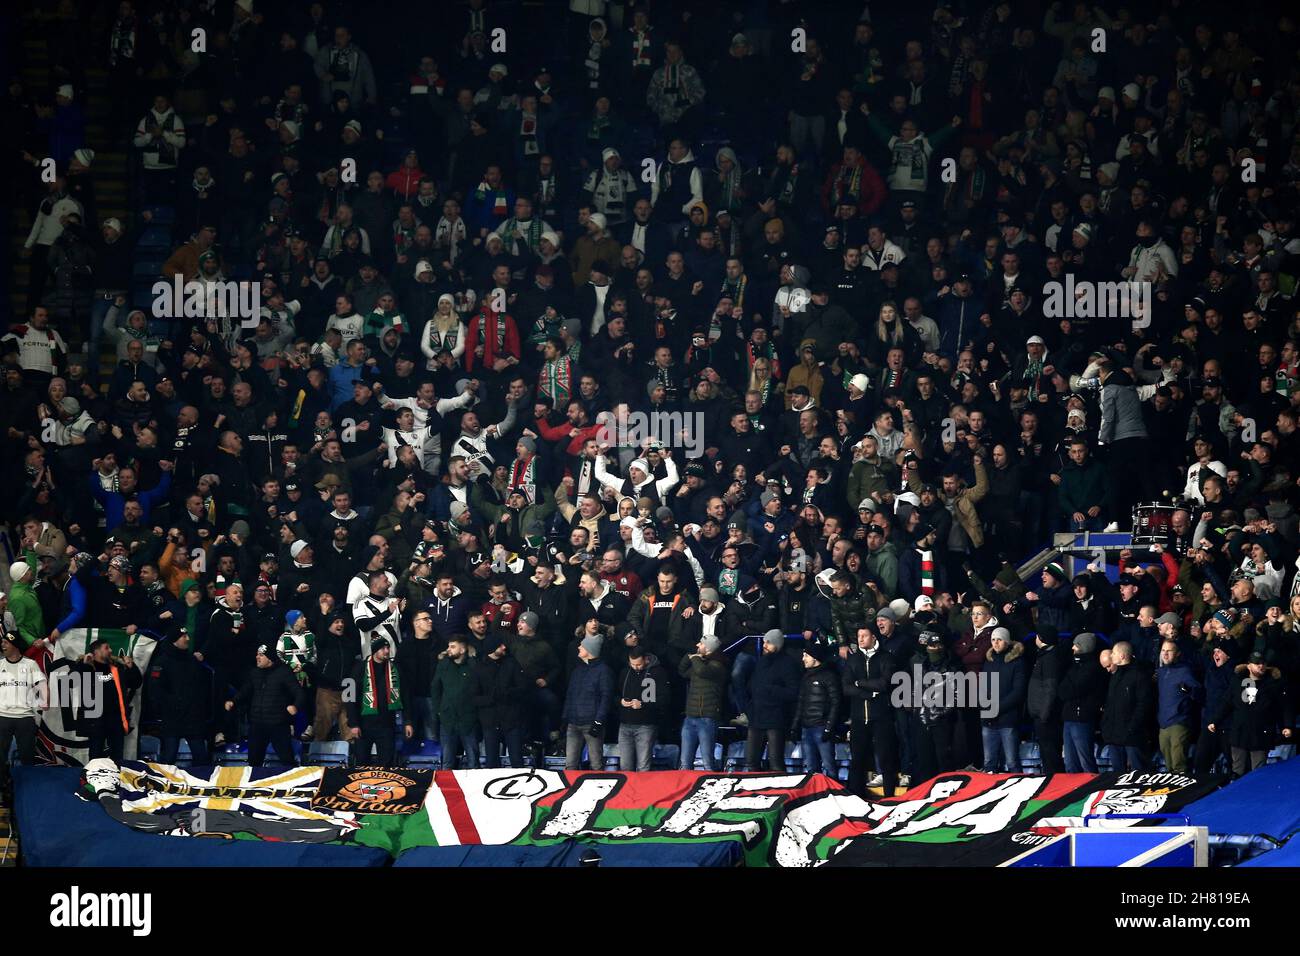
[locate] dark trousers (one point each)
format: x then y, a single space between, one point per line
543 712
775 741
169 747
22 729
1051 745
1129 477
1209 747
937 747
107 738
971 738
379 735
873 742
513 737
274 735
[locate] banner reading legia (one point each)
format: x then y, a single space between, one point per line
779 819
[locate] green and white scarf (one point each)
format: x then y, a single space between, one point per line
393 689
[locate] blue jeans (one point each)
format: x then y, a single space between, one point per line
1136 759
1001 744
1079 754
699 733
818 754
169 747
741 669
451 742
98 313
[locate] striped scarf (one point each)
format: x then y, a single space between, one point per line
557 380
735 288
927 571
523 477
392 689
532 234
640 49
848 185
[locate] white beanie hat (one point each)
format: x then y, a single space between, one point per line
113 223
64 90
552 238
84 156
640 463
1132 91
297 548
600 221
860 382
19 570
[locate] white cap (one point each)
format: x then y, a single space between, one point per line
1106 93
900 607
607 152
421 268
923 602
1035 340
552 238
19 570
297 548
1132 91
354 125
113 223
64 90
600 221
499 68
860 382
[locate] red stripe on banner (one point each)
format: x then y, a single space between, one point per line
457 808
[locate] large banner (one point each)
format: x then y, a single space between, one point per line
779 819
982 819
57 737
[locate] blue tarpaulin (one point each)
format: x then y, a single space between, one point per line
1286 855
719 853
57 828
1262 802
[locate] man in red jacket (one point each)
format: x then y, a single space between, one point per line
853 180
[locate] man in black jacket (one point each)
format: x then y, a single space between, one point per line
1130 706
1082 692
270 692
1044 700
642 692
335 651
184 688
816 710
116 679
419 658
376 697
498 688
937 725
1257 705
773 692
867 673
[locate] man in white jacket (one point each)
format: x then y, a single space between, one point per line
24 692
1152 260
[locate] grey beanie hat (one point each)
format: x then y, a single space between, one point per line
530 618
1086 642
529 444
709 594
711 644
775 638
592 644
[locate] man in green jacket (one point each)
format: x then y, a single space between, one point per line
852 606
706 672
1082 493
23 603
453 703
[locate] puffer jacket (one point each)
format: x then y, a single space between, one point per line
707 684
498 688
267 693
773 690
1043 694
819 698
537 658
854 610
1006 675
1083 690
1121 410
590 696
1130 704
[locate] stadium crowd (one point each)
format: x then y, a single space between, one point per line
629 372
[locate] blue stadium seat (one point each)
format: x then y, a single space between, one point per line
666 757
612 758
327 753
276 759
184 757
1031 760
734 761
717 757
793 758
428 754
843 755
155 237
163 215
147 748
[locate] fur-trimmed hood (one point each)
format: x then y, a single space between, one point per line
1270 671
1014 651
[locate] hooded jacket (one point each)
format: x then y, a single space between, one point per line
1129 705
1007 675
267 693
774 688
1121 410
650 686
1082 689
1043 694
1258 708
707 684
